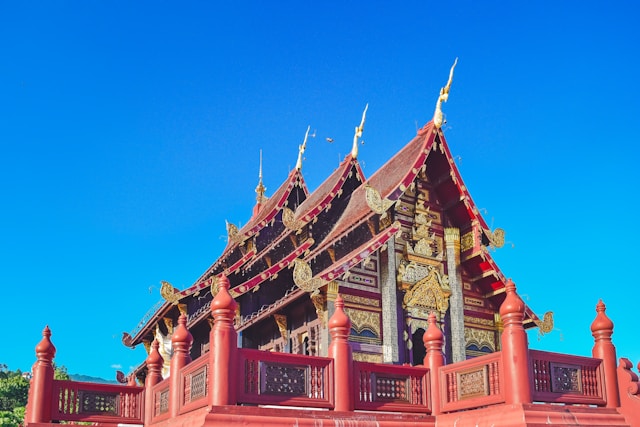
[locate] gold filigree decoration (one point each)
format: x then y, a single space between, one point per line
281 321
367 357
546 324
169 293
233 233
214 286
467 241
480 338
289 220
444 96
375 201
303 277
429 293
361 320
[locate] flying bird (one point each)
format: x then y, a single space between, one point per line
330 140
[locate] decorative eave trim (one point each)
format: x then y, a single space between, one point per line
271 271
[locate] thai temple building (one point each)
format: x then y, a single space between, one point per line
371 300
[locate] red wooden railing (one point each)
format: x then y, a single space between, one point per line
160 408
472 383
285 379
90 402
194 380
391 388
563 378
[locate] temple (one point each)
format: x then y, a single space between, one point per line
368 301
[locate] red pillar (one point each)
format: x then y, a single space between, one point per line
340 351
181 342
433 340
515 348
603 348
154 376
223 347
41 388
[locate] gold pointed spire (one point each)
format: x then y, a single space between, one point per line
358 133
260 189
302 148
444 95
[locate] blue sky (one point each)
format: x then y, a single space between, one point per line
130 132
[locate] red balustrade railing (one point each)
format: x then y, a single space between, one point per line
472 383
195 380
90 402
563 378
391 387
285 379
160 407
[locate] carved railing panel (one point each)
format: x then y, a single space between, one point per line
79 401
195 379
391 387
285 379
563 378
472 383
160 394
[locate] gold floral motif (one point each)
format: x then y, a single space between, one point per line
467 241
169 293
303 277
289 221
367 357
479 321
375 201
354 299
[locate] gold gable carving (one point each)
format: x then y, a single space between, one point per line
429 293
363 319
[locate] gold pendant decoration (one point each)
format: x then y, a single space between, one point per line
496 238
289 220
169 293
303 277
376 202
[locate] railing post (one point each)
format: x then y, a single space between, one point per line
154 376
603 348
433 340
41 388
515 348
223 347
181 342
340 352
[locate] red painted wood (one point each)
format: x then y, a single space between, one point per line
603 348
154 376
515 348
340 351
41 389
433 340
181 342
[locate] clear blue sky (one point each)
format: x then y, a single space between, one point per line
131 130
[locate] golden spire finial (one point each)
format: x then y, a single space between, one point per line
260 189
358 134
444 95
302 148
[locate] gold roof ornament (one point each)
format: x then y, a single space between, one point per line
301 149
169 293
444 95
358 133
260 189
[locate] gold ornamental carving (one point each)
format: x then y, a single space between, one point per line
467 241
546 324
376 202
289 220
362 319
318 301
233 234
169 293
438 118
430 293
303 277
281 321
496 237
480 338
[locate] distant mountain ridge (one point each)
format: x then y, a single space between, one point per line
90 379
